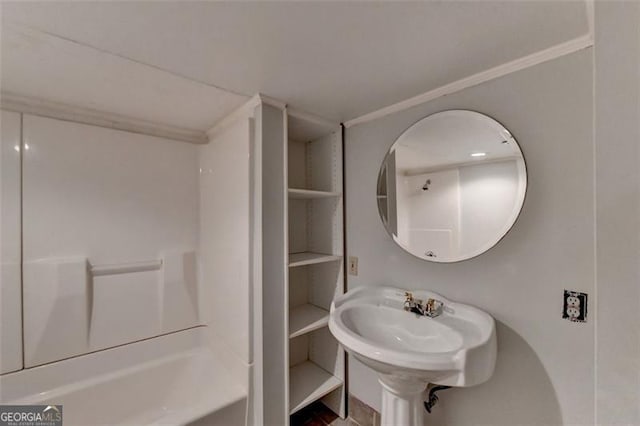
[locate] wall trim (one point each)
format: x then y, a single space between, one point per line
28 105
545 55
590 6
271 101
243 111
313 118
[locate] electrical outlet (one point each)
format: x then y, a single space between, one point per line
353 265
575 306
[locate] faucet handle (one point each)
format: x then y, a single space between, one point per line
433 308
408 301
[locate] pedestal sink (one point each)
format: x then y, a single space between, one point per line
409 351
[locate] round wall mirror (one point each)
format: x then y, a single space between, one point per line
451 186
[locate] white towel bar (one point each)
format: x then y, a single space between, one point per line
125 268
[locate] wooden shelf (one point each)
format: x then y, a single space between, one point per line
309 258
306 318
307 383
307 194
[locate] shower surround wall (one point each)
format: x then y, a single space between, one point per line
11 248
110 235
544 372
225 242
458 210
431 216
135 256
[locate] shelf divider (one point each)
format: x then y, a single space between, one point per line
306 194
306 318
310 258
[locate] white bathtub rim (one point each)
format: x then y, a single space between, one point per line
113 364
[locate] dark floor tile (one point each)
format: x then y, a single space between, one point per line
325 414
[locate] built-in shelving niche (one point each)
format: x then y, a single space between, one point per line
316 370
315 359
315 227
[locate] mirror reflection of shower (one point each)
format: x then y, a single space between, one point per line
481 183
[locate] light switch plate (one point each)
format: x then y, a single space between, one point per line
353 265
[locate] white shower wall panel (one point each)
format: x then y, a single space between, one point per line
110 236
429 220
488 194
10 291
225 242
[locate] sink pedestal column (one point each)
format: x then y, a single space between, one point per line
402 401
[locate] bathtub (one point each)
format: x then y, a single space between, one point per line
174 379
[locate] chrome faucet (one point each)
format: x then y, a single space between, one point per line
412 305
432 308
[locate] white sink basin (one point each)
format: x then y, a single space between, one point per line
457 348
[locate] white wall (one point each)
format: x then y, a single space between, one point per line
617 129
11 246
544 372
